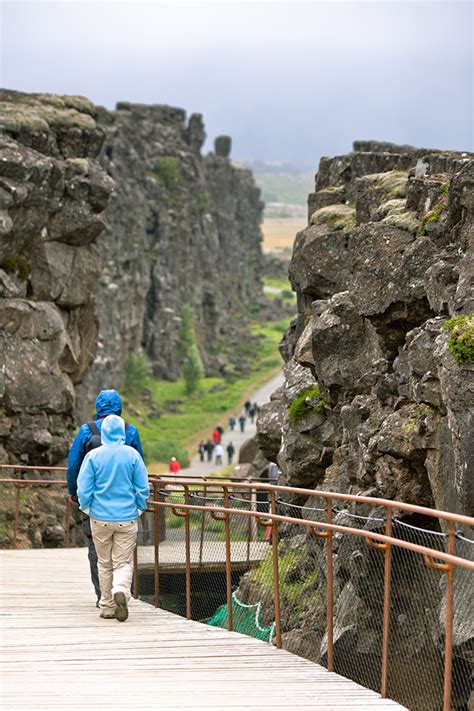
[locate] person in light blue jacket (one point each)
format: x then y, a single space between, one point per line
112 488
108 402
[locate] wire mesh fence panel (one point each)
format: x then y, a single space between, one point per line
247 550
173 554
37 516
146 555
463 625
303 579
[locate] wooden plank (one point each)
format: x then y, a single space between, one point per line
58 654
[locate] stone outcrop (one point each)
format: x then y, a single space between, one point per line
377 399
53 194
181 228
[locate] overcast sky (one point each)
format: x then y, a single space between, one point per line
288 81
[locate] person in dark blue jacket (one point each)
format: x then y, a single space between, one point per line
108 402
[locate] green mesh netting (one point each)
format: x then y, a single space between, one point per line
245 619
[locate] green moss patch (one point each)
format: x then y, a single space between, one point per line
393 183
335 217
308 400
461 338
17 266
437 211
418 411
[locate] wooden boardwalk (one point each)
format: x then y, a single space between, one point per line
210 558
58 654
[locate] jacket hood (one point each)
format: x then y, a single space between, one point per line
108 402
112 430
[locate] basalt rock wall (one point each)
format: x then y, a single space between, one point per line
109 223
375 403
181 228
53 193
385 260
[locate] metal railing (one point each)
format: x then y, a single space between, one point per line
356 581
400 554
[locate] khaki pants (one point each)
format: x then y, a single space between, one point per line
115 542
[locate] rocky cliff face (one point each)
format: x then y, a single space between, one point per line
385 260
52 197
378 400
181 229
178 228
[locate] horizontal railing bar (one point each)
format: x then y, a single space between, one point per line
333 495
29 466
27 482
434 553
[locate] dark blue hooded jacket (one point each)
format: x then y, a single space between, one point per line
108 402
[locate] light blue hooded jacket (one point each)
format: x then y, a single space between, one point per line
113 481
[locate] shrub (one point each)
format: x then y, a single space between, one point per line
461 339
192 369
187 335
303 403
137 374
166 168
202 201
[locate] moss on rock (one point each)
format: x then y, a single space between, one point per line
335 217
461 339
393 183
308 400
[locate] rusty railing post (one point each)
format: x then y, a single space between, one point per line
68 521
228 570
386 604
276 577
17 516
249 525
330 589
203 523
156 540
135 572
188 554
448 649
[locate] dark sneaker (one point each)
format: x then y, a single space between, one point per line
121 611
107 615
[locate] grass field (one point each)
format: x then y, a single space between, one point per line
175 433
279 233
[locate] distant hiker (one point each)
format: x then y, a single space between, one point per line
175 466
242 421
256 407
219 453
273 472
252 414
247 406
209 450
113 489
108 402
230 452
232 423
216 436
202 450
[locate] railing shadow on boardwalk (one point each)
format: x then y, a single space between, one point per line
378 591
